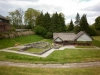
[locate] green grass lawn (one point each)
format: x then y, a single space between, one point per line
96 38
84 46
48 40
4 43
35 50
62 56
6 70
96 41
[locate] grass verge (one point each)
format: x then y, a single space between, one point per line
6 70
35 50
62 56
84 46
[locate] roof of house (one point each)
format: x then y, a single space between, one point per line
2 17
68 36
65 36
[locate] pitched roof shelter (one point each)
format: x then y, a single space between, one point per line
71 37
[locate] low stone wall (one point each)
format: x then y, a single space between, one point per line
37 45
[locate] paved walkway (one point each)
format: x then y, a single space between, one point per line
31 54
46 53
67 65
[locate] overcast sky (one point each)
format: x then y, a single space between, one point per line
68 7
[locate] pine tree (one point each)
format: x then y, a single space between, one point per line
71 26
47 21
77 22
97 23
39 20
54 23
61 23
84 26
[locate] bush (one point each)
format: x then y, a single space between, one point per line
49 35
40 31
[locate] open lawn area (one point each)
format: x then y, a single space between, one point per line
96 41
84 46
6 70
58 56
35 50
4 43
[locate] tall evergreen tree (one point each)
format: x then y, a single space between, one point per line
39 20
47 21
97 23
71 26
77 21
54 23
84 26
61 23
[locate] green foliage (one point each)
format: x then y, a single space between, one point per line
93 31
55 23
16 17
49 35
84 26
40 31
30 17
97 23
71 26
77 21
76 29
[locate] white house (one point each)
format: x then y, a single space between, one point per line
72 38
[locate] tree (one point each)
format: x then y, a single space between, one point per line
40 31
54 23
30 17
97 23
57 23
71 26
16 17
76 28
39 20
61 23
93 31
84 26
46 21
77 22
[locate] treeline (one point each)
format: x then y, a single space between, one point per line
45 24
81 24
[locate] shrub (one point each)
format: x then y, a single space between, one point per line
49 35
40 31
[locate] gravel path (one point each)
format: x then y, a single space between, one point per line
67 65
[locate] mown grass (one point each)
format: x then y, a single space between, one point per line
4 43
63 56
96 41
6 70
35 50
96 38
48 40
84 46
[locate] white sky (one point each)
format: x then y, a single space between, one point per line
68 7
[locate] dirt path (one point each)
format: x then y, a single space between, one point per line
67 65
